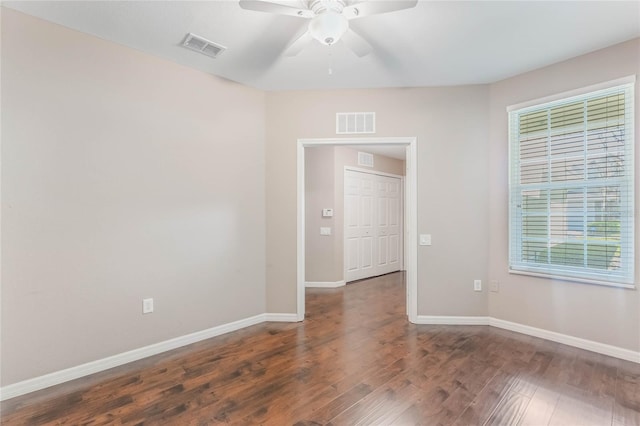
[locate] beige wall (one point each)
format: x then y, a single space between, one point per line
603 314
324 188
320 253
124 176
451 126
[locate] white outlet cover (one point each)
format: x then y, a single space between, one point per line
147 306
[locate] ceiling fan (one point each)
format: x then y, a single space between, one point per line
329 19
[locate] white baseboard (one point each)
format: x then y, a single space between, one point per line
449 320
57 377
324 284
577 342
281 317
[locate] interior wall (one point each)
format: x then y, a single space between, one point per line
324 188
602 314
124 176
320 194
451 126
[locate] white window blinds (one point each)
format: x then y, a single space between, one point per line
571 188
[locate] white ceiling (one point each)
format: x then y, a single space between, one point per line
437 43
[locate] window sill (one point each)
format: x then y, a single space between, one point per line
573 279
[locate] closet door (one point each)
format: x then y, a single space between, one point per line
359 225
373 227
388 230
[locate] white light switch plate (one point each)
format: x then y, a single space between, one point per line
425 239
325 231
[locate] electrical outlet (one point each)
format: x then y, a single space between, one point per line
147 306
494 286
477 285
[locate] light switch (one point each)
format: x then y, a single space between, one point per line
425 239
325 231
327 212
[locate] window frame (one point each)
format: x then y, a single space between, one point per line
582 274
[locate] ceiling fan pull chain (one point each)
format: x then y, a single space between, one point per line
331 60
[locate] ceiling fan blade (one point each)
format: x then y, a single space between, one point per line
280 9
356 43
298 44
371 7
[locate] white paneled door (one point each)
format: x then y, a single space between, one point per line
373 224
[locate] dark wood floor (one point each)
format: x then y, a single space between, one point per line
355 360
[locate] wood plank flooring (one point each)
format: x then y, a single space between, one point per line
354 361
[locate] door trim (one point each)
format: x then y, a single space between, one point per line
410 215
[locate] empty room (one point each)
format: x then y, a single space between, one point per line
311 212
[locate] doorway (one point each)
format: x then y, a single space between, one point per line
409 216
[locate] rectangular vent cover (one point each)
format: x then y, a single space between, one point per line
365 159
202 45
355 122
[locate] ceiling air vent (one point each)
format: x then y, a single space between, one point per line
355 122
202 45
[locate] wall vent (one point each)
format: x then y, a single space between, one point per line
355 122
365 159
202 45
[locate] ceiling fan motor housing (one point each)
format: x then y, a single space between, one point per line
328 27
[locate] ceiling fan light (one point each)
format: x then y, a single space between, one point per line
328 27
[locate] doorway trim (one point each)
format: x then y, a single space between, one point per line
410 214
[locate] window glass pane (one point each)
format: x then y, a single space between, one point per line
535 251
533 148
567 117
566 169
569 144
534 122
536 172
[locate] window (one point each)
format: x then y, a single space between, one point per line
571 212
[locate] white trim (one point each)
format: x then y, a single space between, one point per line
565 339
571 279
281 318
324 284
300 261
411 203
451 320
61 376
410 259
372 172
575 92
